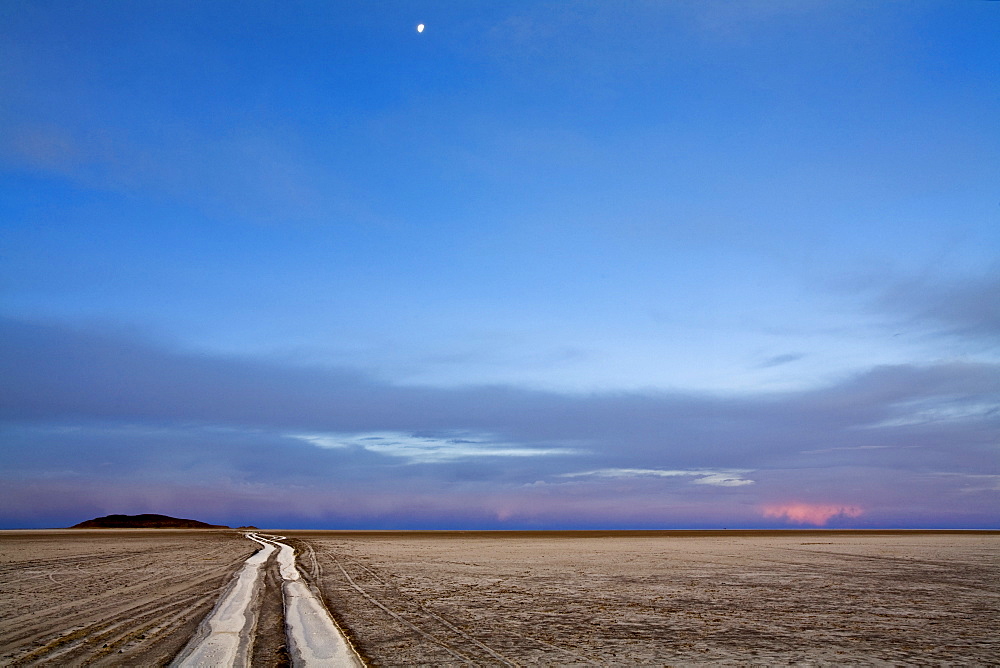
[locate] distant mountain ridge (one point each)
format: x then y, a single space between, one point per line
146 521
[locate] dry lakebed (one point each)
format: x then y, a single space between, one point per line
154 596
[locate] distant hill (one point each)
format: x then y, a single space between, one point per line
148 521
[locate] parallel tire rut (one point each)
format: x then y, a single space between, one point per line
103 638
133 601
109 608
429 636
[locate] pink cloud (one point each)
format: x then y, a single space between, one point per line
810 513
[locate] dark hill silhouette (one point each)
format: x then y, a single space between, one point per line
147 521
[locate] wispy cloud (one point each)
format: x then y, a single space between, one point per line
968 307
723 479
424 449
779 360
728 478
973 482
852 448
941 409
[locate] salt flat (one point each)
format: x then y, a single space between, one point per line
441 598
112 596
668 598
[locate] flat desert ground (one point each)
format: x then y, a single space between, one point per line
113 597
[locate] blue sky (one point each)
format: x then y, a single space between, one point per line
571 264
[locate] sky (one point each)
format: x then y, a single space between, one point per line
543 265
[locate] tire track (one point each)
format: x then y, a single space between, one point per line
314 637
408 619
106 601
458 655
80 611
95 561
474 640
134 602
226 636
102 638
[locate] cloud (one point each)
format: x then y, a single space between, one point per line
779 360
732 478
811 513
429 448
723 479
55 373
849 448
968 308
976 482
90 410
943 409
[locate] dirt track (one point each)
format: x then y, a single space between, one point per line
135 597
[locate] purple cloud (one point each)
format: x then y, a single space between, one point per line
91 411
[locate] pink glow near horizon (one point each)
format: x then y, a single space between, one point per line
810 513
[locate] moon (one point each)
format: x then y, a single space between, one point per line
420 28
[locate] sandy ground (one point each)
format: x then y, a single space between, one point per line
135 597
109 597
803 598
